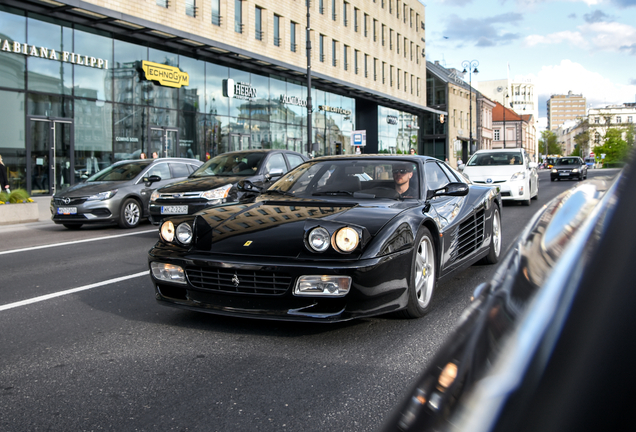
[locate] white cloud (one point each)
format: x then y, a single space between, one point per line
604 36
571 76
575 38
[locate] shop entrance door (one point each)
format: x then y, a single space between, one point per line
164 141
50 151
240 142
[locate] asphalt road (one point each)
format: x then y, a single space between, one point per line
84 346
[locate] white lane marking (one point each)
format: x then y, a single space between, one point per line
75 242
71 291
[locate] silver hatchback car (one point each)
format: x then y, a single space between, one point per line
118 194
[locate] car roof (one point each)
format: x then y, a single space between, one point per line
388 157
156 160
507 150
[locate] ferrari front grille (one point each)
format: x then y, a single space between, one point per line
238 281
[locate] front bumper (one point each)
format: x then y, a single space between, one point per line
567 175
378 286
514 190
89 212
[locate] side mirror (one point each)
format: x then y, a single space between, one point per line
247 186
461 167
451 189
152 179
532 165
275 172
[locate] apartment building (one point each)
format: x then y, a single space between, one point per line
562 108
511 130
110 79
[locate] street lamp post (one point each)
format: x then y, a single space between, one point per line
470 67
309 107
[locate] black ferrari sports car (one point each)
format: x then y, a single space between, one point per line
337 238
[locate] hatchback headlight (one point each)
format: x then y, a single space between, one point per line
102 195
518 176
554 171
575 170
218 193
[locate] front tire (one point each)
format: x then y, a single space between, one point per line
129 214
495 241
423 276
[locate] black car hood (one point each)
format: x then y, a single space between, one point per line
89 188
569 166
196 184
270 228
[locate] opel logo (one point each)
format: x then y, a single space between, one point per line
489 180
66 200
235 280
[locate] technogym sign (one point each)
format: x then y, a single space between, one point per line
169 76
51 54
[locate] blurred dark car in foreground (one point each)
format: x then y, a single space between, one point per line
215 182
569 168
546 345
335 239
119 193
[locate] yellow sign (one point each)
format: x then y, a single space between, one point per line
165 75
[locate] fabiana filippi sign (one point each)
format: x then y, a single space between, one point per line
51 54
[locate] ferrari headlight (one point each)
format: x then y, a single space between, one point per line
155 195
324 286
167 231
167 272
184 233
318 239
346 240
102 195
218 193
518 176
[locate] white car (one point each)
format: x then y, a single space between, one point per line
510 169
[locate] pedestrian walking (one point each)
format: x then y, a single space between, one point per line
4 180
413 151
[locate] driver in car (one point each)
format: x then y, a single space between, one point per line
402 174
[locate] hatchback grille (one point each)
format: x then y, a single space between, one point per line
238 281
72 201
470 235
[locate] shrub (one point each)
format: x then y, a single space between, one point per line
15 197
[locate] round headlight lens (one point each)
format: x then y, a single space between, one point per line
319 239
167 231
347 239
184 233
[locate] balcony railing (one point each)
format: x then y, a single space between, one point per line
216 19
259 34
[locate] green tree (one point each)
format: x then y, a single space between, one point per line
582 141
615 148
548 143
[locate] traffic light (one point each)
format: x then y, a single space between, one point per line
338 148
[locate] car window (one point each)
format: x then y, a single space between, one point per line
231 164
294 160
435 176
179 170
454 177
568 161
161 169
192 168
275 161
120 172
496 158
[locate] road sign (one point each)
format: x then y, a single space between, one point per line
359 138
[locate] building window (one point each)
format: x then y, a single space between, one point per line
496 132
390 6
399 72
406 44
334 57
238 16
276 30
321 6
391 75
334 15
383 34
629 119
597 120
345 17
321 47
366 65
404 13
345 57
355 61
366 25
258 23
356 12
383 73
618 119
191 8
375 30
216 12
162 3
292 36
397 41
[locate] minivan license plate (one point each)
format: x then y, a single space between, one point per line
182 209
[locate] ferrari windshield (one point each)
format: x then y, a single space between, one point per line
360 178
120 172
231 164
495 158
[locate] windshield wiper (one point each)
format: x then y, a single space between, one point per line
337 192
279 192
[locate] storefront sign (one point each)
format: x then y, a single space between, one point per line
51 54
334 110
359 138
392 120
238 90
169 76
126 139
292 100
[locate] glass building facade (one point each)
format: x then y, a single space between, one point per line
74 100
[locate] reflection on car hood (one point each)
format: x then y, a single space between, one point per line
196 184
569 166
278 228
87 189
498 172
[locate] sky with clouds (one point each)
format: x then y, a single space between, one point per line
586 46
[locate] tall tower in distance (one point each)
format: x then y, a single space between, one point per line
562 108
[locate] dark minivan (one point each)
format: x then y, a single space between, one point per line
215 182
